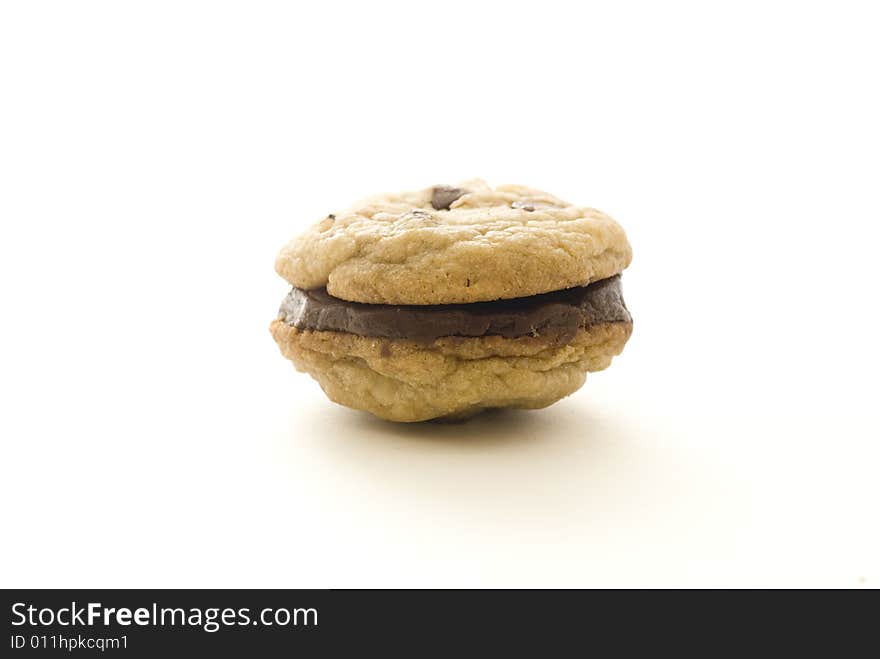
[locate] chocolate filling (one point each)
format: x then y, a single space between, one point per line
557 315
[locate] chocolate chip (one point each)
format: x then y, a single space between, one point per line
444 196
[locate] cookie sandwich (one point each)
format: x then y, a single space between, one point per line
443 302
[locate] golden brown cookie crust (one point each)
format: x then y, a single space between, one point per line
507 242
452 377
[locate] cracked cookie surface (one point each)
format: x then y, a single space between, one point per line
452 377
455 244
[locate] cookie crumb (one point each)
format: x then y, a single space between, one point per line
327 223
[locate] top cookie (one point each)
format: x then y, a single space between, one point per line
455 244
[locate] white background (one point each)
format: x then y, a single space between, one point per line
154 156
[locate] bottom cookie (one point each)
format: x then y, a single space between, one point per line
451 377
